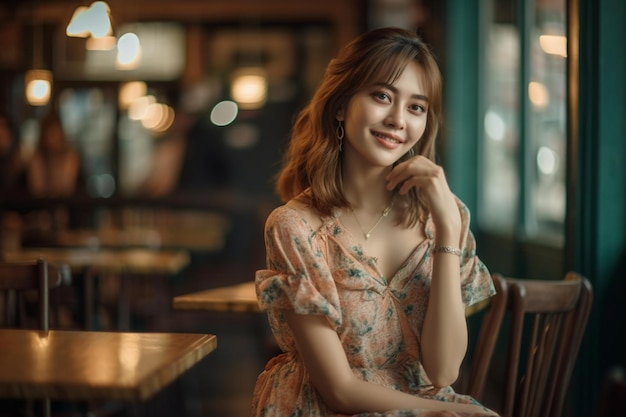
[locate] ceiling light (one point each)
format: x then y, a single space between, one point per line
38 84
249 87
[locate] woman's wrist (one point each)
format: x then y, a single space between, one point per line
446 249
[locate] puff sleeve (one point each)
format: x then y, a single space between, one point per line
297 276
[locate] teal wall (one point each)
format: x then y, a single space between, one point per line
598 239
461 83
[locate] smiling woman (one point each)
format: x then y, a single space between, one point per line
370 261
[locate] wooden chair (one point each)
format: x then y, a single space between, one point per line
536 383
487 337
24 276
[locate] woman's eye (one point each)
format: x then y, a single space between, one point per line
418 108
382 96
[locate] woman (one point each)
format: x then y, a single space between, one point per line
370 263
54 167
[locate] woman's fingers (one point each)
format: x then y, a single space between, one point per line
422 182
417 172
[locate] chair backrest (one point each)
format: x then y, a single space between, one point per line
36 275
487 338
547 322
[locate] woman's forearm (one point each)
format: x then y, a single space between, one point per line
444 335
357 396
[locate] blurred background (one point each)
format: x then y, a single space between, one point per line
135 114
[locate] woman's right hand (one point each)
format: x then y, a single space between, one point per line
429 179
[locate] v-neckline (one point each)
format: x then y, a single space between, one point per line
358 250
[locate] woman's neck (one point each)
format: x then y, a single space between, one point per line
366 190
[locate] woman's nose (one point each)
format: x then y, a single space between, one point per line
395 118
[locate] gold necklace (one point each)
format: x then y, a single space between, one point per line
385 213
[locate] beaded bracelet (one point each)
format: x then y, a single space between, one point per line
447 249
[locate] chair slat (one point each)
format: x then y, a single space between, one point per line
487 338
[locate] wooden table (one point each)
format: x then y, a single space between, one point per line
237 298
85 365
200 239
151 227
94 262
134 261
242 298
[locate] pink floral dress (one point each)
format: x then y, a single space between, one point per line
326 271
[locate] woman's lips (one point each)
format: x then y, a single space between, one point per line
388 141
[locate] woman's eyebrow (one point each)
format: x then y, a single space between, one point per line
395 91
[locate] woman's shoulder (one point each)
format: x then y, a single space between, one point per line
295 214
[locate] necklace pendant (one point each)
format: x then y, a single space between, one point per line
384 214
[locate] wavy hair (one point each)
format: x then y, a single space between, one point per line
313 159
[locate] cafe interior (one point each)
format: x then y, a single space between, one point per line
171 118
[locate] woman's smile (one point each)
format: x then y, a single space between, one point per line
389 141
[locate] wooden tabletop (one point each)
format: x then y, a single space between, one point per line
82 365
199 239
134 261
237 298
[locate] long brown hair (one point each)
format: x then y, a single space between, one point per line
313 158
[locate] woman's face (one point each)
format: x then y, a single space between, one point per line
382 122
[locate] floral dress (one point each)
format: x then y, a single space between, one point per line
326 271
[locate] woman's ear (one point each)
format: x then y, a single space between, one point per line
340 116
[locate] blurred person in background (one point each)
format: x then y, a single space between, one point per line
53 169
51 172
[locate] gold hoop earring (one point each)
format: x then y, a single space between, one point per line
340 132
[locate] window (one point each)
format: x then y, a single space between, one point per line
523 143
